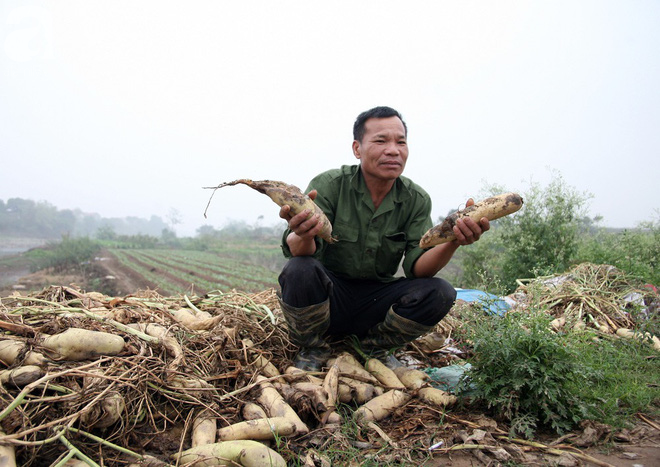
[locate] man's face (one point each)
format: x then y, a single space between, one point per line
383 150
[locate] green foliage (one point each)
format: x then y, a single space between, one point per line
540 239
110 239
241 230
635 251
527 373
627 385
139 242
106 232
70 253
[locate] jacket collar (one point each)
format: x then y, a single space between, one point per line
399 193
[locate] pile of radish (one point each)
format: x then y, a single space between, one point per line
82 374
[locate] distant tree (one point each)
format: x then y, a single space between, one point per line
168 236
207 231
174 218
106 232
65 221
24 217
20 205
155 225
236 228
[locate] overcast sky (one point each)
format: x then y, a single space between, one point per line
130 108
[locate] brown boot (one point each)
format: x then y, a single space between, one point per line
307 325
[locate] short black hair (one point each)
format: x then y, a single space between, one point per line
376 112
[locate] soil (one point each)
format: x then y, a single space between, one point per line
119 279
105 274
639 446
628 455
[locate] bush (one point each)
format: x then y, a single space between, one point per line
636 251
526 372
66 255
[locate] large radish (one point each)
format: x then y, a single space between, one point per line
285 194
491 208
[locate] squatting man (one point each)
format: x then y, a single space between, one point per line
333 290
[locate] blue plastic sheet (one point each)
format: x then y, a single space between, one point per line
491 302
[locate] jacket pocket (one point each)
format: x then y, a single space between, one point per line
391 252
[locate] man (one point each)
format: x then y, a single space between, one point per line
378 217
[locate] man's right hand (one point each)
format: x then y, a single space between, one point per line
303 230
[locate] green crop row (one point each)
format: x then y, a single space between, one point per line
217 263
160 282
177 271
181 272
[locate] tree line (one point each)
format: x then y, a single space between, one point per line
40 219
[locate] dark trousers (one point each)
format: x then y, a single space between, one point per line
358 305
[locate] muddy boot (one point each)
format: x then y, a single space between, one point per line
307 325
393 332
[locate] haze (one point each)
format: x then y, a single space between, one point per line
130 108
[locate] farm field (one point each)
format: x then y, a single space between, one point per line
250 267
173 272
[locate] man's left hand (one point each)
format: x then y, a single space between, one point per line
468 231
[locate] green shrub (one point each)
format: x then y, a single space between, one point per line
525 372
68 254
635 251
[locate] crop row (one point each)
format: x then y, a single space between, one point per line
182 271
174 271
148 273
216 262
222 269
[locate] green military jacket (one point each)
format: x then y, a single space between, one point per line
370 243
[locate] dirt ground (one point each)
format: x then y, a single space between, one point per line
639 446
105 274
618 456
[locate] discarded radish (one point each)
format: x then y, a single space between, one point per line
386 376
21 376
380 407
258 429
204 429
630 334
247 453
10 350
106 412
76 344
360 391
7 454
275 405
436 396
348 365
252 411
331 386
411 378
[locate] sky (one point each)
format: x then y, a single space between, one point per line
130 108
